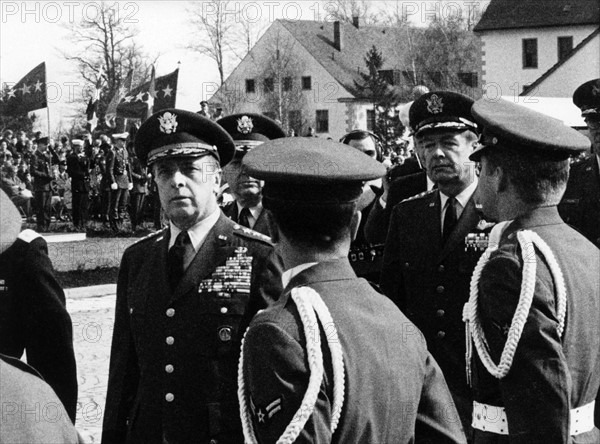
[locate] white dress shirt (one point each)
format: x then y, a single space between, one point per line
254 213
197 232
287 275
462 198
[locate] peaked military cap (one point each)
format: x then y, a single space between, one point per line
311 170
120 136
512 126
250 130
587 98
43 140
77 142
179 133
441 109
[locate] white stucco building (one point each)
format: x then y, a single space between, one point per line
539 48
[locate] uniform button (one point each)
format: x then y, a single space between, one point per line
441 334
171 312
225 334
169 397
440 313
406 265
169 368
170 340
224 310
441 268
214 441
440 289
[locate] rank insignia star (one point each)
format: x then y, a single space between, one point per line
264 414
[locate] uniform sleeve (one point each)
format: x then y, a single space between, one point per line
437 418
110 166
276 377
49 343
536 390
376 226
123 374
391 276
266 285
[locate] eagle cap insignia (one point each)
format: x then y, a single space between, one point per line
245 125
435 104
168 123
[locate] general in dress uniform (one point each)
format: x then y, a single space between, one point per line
332 360
78 168
580 206
41 171
534 308
33 315
435 237
248 131
118 170
184 297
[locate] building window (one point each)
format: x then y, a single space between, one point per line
370 120
565 46
250 86
306 83
287 83
269 85
469 78
322 121
530 53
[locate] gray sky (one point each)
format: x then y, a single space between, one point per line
33 32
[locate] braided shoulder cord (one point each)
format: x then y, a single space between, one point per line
474 330
309 304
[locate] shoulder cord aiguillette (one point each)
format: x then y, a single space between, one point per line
310 306
528 240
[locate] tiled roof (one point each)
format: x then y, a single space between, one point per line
514 14
560 63
317 39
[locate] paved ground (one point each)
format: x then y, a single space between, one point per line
93 319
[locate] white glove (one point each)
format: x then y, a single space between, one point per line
113 186
130 186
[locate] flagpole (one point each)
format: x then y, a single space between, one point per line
48 117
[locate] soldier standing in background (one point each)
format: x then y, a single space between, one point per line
119 174
78 168
139 174
41 171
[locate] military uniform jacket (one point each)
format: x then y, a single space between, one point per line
262 223
550 375
139 175
580 206
45 420
33 317
430 282
174 358
394 390
41 171
78 168
117 167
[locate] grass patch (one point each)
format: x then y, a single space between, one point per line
85 278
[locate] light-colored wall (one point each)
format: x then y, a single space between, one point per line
325 93
502 56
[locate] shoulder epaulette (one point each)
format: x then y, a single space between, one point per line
149 236
28 235
251 234
418 196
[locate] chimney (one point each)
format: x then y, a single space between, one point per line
356 21
337 36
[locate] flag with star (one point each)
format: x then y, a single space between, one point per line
162 96
28 94
92 108
120 93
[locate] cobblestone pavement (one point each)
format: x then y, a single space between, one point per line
93 319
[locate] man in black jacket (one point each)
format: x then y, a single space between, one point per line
78 168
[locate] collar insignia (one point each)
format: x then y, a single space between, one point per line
168 123
245 125
435 104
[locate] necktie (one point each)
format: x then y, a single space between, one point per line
243 218
449 219
176 258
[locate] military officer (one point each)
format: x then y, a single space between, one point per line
332 360
580 206
534 310
41 171
121 182
426 267
247 131
78 168
184 296
33 316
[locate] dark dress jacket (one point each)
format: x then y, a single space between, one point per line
430 282
550 374
33 316
174 357
262 223
580 205
394 390
78 168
